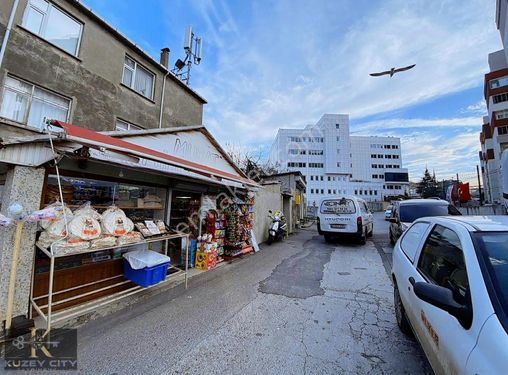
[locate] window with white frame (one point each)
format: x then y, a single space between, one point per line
501 114
124 125
31 105
52 24
138 78
502 130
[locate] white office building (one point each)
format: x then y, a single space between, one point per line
333 162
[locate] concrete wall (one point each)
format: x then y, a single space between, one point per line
483 210
93 79
267 198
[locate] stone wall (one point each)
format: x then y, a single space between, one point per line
23 185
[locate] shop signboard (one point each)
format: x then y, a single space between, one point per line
192 146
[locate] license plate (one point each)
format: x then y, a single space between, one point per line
338 226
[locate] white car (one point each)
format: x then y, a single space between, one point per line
450 279
345 215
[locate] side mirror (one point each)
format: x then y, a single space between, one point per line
442 298
392 220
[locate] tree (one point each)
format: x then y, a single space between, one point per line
427 187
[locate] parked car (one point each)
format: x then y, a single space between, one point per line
388 212
345 215
405 212
450 278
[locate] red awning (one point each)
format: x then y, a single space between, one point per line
97 140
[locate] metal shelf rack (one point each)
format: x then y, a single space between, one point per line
51 317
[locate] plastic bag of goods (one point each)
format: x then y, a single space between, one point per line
87 209
84 225
139 259
105 240
115 222
70 246
54 232
5 221
56 207
131 237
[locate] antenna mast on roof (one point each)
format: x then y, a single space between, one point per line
192 45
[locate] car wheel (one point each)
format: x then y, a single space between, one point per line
371 231
363 237
328 238
400 312
269 240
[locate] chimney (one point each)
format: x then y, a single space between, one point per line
165 57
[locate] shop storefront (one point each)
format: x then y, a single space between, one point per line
171 192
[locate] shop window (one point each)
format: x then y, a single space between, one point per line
124 125
31 105
52 24
138 78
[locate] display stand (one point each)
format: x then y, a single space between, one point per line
50 317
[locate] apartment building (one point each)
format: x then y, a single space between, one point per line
494 134
62 61
334 162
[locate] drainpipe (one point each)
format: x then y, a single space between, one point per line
164 60
8 31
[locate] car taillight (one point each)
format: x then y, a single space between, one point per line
359 220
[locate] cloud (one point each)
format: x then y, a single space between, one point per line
478 108
368 128
284 68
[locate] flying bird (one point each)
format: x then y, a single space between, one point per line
392 71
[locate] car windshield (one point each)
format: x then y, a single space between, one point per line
494 249
338 206
411 212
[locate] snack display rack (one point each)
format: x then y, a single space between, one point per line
51 317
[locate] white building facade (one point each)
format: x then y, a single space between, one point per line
335 163
494 134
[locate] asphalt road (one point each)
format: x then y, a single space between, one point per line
297 307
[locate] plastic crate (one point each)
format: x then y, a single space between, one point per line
146 276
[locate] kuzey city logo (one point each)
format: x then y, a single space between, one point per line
40 350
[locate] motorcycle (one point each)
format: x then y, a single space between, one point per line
278 227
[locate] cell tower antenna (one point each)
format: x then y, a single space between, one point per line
192 46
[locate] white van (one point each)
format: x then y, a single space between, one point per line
347 214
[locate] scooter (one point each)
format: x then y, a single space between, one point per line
278 227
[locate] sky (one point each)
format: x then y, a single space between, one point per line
284 63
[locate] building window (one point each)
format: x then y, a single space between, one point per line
295 139
322 191
375 192
500 98
380 156
312 191
388 156
374 165
124 125
138 78
329 191
380 166
338 139
498 82
501 114
338 164
297 165
337 126
31 105
315 152
502 130
316 165
50 23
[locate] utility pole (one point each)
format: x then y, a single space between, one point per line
458 189
479 184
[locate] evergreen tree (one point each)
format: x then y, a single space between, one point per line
427 187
